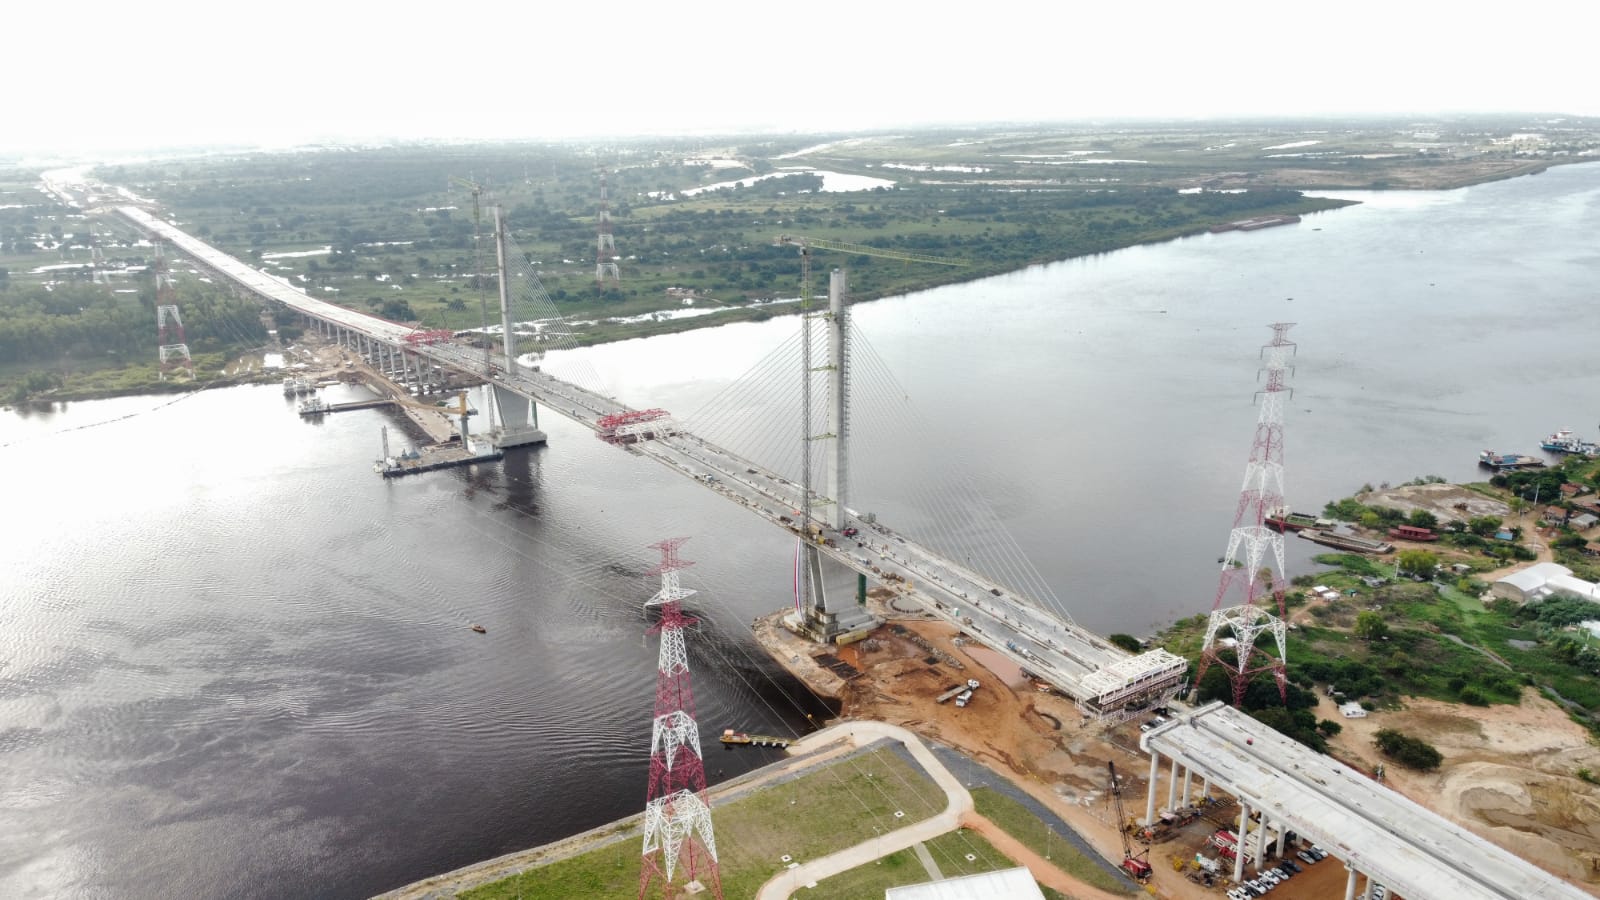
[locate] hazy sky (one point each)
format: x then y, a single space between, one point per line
96 75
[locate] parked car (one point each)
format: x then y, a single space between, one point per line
1294 867
1306 855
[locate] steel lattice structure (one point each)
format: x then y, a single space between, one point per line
677 819
167 309
1247 579
605 252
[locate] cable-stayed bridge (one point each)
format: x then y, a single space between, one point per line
1005 604
1001 601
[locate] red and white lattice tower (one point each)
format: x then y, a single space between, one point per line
605 253
166 309
677 819
1248 585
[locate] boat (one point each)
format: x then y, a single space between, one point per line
1292 521
1564 441
1346 541
316 406
742 739
1503 461
480 629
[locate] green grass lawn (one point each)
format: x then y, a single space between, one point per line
807 818
949 853
1015 819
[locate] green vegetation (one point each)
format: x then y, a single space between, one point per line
1127 642
1017 821
949 852
1408 751
396 234
806 818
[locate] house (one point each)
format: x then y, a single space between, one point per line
1554 515
1412 533
1591 549
1352 710
1583 521
1570 490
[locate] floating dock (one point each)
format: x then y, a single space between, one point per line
431 459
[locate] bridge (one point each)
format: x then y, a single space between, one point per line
1103 679
1373 830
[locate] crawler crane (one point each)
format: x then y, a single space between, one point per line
1136 865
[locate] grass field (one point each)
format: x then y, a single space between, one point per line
1015 819
809 817
949 853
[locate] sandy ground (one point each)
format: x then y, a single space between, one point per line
1508 772
1508 775
1445 501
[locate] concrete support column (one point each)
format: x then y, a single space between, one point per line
1205 789
1238 849
1150 796
1188 779
1283 838
1172 786
1261 842
1350 884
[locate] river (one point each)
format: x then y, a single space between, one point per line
235 663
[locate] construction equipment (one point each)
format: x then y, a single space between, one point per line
1137 865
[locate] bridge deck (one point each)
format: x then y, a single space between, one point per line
1060 653
1397 843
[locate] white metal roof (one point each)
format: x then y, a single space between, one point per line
1412 850
1535 576
1004 884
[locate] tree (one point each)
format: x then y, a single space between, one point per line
1329 728
1484 526
1421 518
1408 751
1127 642
1418 562
1370 626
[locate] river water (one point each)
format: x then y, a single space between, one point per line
236 663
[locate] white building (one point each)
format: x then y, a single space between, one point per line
1003 884
1540 580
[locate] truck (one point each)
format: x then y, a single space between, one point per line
958 689
1024 652
965 697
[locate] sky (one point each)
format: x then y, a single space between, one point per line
95 76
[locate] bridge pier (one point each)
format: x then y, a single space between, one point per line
1150 795
1261 842
519 420
1172 786
1350 882
1238 847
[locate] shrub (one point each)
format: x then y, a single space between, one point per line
1413 753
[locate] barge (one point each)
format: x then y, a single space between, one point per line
1503 462
733 738
1346 541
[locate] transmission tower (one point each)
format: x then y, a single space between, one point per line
605 254
1246 579
677 819
165 309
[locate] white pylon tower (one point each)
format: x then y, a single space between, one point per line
605 254
166 309
1245 574
677 819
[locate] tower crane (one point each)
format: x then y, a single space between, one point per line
1136 865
